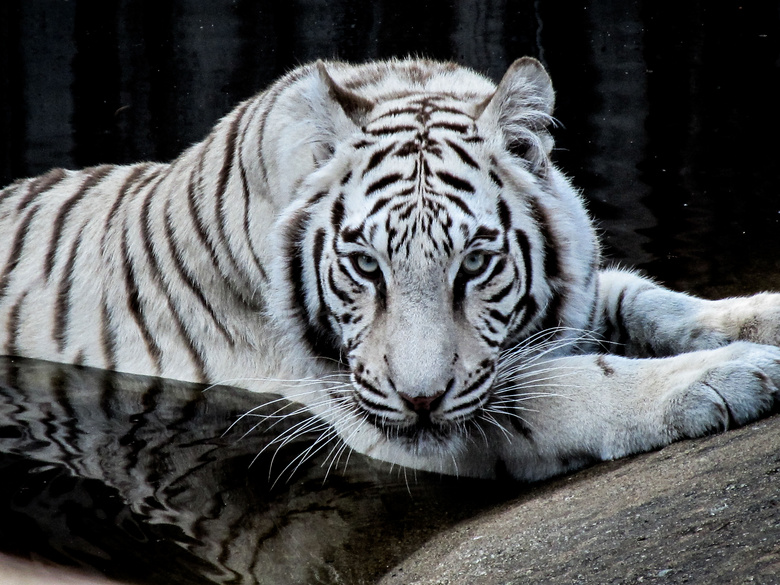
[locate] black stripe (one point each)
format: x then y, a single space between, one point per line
131 178
341 294
345 273
474 385
188 279
552 312
501 294
499 316
317 249
377 158
381 203
14 327
497 269
460 128
616 329
321 341
455 182
245 191
337 213
16 250
383 182
496 179
203 236
200 227
462 154
527 301
525 248
486 233
368 404
12 189
294 255
134 305
528 304
41 185
62 303
366 385
222 181
391 130
159 277
552 261
107 336
94 176
459 203
504 215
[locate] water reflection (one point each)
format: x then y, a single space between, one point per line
134 477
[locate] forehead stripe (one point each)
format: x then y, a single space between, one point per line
455 182
459 203
383 182
462 154
377 158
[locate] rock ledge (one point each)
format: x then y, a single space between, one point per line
703 511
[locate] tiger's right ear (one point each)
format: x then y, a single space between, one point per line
332 113
356 107
309 114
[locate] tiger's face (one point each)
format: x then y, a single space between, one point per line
415 266
429 232
425 282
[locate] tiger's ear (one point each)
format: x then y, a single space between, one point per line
522 107
356 107
336 112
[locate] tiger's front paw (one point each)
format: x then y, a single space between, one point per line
755 319
741 385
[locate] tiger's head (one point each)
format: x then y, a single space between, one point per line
428 233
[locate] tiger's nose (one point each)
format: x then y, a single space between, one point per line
422 403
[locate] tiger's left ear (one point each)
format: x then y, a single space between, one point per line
522 107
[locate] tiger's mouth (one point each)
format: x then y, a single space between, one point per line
427 431
424 423
419 433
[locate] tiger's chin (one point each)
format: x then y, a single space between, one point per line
423 438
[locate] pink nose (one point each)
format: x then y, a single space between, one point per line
422 403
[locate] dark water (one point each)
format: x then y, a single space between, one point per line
669 122
137 478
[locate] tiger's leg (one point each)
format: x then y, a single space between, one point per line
641 319
576 410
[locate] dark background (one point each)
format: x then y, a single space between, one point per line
668 110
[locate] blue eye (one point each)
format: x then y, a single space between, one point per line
366 265
474 263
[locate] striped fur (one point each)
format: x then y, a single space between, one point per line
398 221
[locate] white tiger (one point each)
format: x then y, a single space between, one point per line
394 239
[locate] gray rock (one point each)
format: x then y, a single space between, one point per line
704 511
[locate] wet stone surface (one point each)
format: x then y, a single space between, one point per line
705 511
